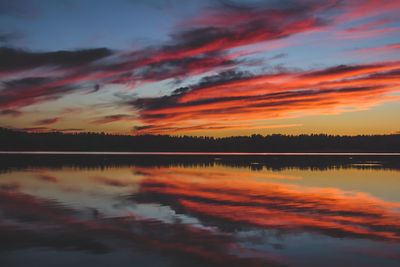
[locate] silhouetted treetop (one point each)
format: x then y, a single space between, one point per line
56 141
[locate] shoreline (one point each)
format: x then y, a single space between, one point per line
202 153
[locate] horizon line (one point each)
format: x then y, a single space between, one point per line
202 153
188 135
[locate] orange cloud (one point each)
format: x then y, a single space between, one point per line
202 45
113 118
233 100
47 121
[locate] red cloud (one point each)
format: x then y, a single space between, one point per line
235 100
197 48
48 178
113 118
47 121
360 9
205 44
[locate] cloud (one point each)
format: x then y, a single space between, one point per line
67 130
228 26
19 8
173 128
203 44
371 33
10 186
8 37
28 91
16 60
368 25
113 118
32 129
361 9
10 112
385 253
47 121
234 99
47 129
47 178
372 19
390 48
29 78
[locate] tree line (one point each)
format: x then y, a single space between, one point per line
11 140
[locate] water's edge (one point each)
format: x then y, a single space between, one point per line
199 153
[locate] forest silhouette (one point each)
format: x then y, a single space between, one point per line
11 140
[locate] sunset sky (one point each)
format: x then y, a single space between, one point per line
216 68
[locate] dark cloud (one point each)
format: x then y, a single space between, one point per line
341 69
278 56
178 68
47 121
221 79
48 129
25 82
392 74
233 26
9 37
67 130
173 99
113 118
31 90
31 129
28 91
200 45
10 112
14 59
19 8
9 186
235 94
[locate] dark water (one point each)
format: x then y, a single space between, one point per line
202 210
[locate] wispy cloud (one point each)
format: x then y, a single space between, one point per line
47 121
244 99
389 48
202 45
10 112
214 44
113 118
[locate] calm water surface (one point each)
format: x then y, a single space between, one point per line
204 210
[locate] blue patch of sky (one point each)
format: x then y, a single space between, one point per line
85 24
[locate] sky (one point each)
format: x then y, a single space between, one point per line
215 68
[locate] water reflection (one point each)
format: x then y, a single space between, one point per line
183 211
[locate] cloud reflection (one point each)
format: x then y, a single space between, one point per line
328 211
197 215
28 221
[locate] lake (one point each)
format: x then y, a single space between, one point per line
102 209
